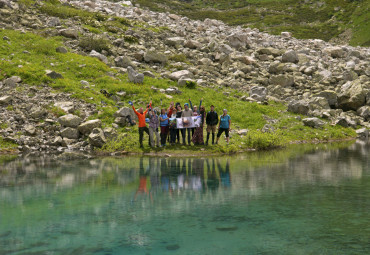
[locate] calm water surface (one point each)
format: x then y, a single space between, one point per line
303 200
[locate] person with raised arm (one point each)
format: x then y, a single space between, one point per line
142 124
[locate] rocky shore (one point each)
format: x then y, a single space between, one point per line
326 83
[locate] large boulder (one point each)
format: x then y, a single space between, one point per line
283 80
30 130
110 133
70 120
313 122
364 112
70 33
258 93
87 127
192 44
335 52
318 103
329 95
66 106
362 133
97 138
12 81
238 40
290 57
122 61
134 76
175 76
99 56
299 107
70 133
155 57
124 112
175 41
5 100
353 95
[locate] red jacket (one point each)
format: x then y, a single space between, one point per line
141 116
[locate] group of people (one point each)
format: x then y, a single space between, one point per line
167 121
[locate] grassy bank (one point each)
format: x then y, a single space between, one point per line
32 54
305 19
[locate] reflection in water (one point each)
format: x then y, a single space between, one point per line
307 200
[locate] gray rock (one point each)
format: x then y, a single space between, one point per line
30 130
342 121
122 61
65 106
57 141
99 56
149 74
12 81
38 113
243 132
53 74
69 33
313 122
175 76
110 133
134 76
61 50
238 40
70 120
175 41
329 95
5 100
318 103
353 95
299 107
270 51
155 57
192 44
362 133
258 93
283 80
120 121
53 22
125 111
70 133
183 81
290 57
226 49
364 112
97 138
87 127
335 52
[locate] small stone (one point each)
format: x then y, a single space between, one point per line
134 76
30 130
313 122
54 75
5 100
61 50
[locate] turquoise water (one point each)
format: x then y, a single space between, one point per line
305 200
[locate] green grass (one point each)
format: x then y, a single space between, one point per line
75 67
304 20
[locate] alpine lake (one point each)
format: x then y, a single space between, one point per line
305 199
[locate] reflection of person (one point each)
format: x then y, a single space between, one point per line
198 135
213 181
186 113
211 121
224 126
196 177
142 124
143 181
224 174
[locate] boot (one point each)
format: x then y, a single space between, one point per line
213 138
207 138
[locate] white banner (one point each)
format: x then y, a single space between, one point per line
188 122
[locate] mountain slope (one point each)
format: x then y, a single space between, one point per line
341 21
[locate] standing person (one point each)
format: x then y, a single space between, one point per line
164 119
198 135
186 113
172 124
153 127
178 115
211 121
196 112
142 124
224 126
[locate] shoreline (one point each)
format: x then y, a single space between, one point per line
153 153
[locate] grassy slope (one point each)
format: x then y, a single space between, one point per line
41 55
274 16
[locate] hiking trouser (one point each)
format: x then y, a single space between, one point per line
164 134
153 132
173 133
183 131
141 134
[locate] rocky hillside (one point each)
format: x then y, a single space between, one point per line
58 56
339 21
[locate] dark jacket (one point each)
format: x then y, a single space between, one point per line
178 114
212 118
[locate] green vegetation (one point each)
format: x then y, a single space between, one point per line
7 146
305 19
96 43
179 58
75 67
57 111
